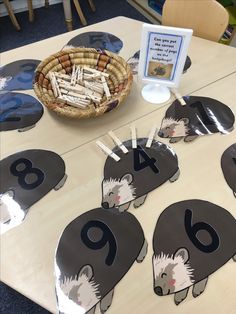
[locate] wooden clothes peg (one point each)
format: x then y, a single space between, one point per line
133 136
118 142
179 97
107 151
151 136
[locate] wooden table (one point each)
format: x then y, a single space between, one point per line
27 252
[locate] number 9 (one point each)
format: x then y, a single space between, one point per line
107 237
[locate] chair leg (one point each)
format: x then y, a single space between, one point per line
31 11
81 15
92 6
69 25
11 14
68 15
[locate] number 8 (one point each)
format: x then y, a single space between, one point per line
21 174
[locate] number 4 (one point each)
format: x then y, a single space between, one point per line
139 155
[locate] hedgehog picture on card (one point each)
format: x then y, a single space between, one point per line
133 62
137 173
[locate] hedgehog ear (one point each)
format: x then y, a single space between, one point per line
185 120
183 253
128 177
87 271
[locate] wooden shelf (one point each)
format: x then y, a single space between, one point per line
143 7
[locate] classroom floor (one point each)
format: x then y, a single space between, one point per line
51 22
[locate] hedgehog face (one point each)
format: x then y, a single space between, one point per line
133 63
80 293
172 274
11 213
4 81
167 130
5 215
117 191
173 128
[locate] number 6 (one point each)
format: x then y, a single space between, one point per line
192 231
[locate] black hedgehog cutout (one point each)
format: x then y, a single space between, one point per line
26 177
205 242
94 253
193 116
228 164
18 75
97 40
139 171
19 111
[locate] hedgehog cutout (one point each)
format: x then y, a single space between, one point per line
26 177
18 75
94 253
144 164
228 165
195 116
19 111
97 40
203 245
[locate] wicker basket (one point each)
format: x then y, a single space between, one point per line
119 81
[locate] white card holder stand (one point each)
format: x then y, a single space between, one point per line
156 93
164 48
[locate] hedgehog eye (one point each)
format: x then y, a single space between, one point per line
110 193
163 274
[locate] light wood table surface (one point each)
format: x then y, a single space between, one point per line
210 62
27 252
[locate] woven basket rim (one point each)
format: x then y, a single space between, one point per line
72 112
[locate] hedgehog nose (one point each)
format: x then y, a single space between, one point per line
105 205
158 291
161 134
